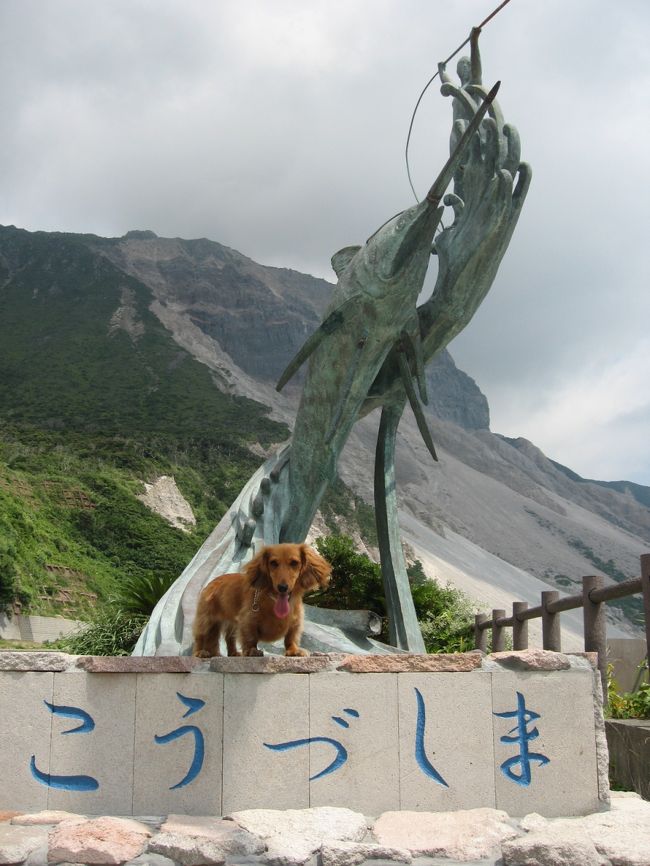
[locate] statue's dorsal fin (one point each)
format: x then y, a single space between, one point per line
409 387
328 326
342 259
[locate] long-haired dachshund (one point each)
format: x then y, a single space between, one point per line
262 604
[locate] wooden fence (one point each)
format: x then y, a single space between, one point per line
591 600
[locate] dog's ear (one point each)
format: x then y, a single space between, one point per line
257 570
315 572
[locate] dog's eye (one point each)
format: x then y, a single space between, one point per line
294 563
274 563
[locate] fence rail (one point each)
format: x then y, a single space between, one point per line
592 600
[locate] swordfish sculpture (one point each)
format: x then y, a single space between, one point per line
370 351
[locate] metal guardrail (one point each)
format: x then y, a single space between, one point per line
592 600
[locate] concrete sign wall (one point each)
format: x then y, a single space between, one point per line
521 732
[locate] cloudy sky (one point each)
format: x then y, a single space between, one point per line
278 127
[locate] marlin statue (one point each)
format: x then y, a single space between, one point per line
373 313
370 351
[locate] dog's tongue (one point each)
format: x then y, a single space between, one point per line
281 608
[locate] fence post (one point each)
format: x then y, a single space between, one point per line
645 587
480 634
519 626
498 635
595 626
551 634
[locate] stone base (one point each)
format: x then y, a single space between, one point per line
519 732
329 836
629 754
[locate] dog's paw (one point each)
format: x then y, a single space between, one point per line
234 654
296 651
253 651
202 654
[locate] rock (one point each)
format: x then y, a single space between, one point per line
531 660
454 396
192 840
38 857
623 834
36 661
17 843
533 821
150 859
552 847
470 834
289 850
293 835
353 853
602 748
164 498
620 837
410 662
48 816
272 664
583 660
140 664
97 840
8 815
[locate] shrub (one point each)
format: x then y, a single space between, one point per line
628 705
444 613
356 582
8 582
138 594
113 632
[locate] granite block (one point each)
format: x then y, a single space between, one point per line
261 711
99 754
25 734
275 664
140 664
360 715
445 741
36 661
555 729
531 660
410 663
182 771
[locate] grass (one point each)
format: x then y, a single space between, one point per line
72 528
25 646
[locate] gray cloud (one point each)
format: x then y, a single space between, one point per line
279 129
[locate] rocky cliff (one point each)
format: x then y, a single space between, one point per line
260 316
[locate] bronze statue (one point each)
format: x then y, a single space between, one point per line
370 351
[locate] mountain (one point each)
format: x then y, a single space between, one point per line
162 354
96 398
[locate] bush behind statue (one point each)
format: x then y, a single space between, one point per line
445 614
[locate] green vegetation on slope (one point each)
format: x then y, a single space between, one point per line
88 412
71 527
68 363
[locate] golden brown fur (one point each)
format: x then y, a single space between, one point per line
244 605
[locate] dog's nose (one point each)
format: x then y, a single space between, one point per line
282 587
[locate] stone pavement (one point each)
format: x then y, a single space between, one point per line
330 836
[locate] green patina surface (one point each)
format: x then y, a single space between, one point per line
370 352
